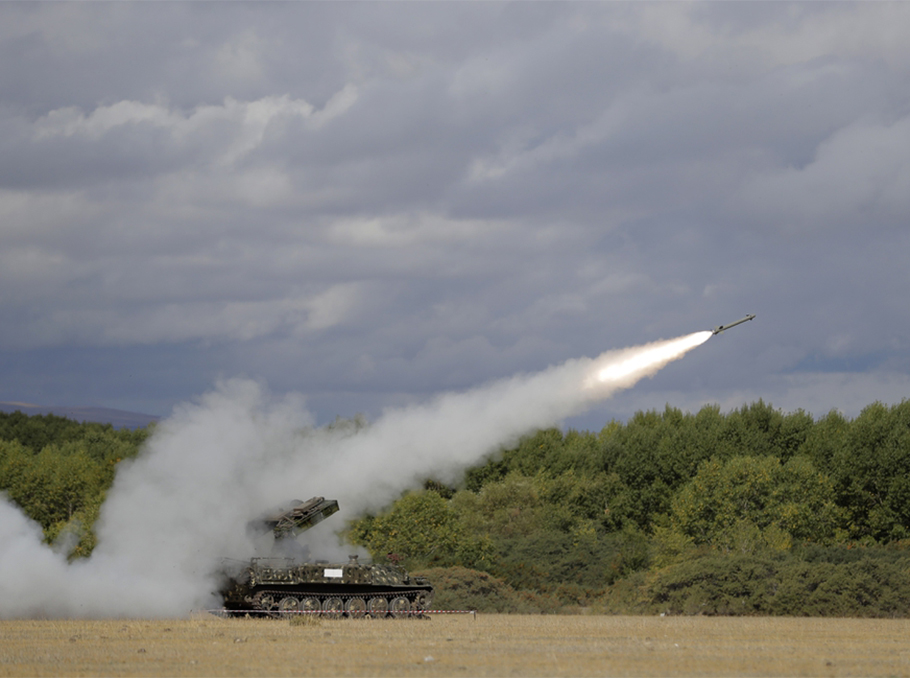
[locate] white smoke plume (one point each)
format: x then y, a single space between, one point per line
182 505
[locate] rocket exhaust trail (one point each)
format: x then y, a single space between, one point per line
443 437
226 457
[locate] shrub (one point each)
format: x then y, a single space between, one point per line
458 588
773 583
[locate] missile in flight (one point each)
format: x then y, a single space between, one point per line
721 328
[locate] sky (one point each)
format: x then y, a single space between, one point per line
372 204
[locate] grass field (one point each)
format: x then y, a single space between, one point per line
488 645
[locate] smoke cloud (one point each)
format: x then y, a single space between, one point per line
182 505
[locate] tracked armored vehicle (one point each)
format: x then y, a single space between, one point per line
281 584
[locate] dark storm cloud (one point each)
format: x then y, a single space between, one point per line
371 202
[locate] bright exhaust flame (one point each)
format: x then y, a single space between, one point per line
643 361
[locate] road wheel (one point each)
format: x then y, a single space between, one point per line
310 605
400 607
289 604
333 607
378 607
356 608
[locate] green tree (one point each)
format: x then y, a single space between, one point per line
870 471
52 487
62 485
422 530
725 500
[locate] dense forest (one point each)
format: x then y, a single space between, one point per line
750 512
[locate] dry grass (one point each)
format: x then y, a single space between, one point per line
490 645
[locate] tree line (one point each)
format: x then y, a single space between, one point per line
754 511
750 512
59 470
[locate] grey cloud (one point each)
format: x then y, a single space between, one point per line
380 201
859 173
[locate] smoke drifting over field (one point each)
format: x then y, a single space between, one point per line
182 505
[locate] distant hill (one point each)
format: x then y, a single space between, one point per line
102 415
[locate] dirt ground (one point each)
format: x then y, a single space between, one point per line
458 645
